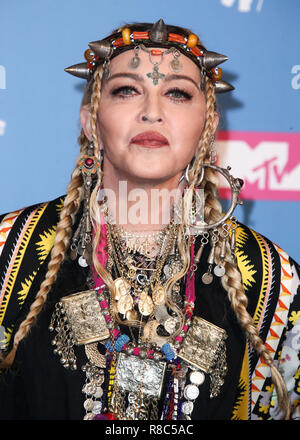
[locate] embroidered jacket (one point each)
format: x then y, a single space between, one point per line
270 280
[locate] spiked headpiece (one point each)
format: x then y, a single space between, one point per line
157 35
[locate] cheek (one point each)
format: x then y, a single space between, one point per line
189 128
110 124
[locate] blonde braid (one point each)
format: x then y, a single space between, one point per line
206 140
232 281
94 205
61 241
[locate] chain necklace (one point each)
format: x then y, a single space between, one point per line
138 286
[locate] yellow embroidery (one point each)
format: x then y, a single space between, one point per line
264 409
294 317
26 284
45 245
247 269
241 237
265 284
18 256
60 205
7 336
240 410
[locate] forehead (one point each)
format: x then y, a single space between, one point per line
121 63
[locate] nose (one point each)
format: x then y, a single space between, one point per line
147 118
151 111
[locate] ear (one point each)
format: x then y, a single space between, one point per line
85 120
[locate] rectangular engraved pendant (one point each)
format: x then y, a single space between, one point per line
202 344
140 375
85 317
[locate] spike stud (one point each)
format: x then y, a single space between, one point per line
223 86
101 48
213 59
80 70
158 32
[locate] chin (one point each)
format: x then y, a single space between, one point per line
151 177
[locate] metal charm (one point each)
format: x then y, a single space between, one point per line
175 64
201 344
135 62
156 75
140 376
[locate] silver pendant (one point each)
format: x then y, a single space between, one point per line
140 376
89 416
197 377
170 325
175 65
187 407
88 404
219 270
97 408
207 278
134 62
191 392
82 262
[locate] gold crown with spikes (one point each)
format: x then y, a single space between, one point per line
157 35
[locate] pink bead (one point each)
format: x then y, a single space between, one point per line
115 332
103 304
136 351
178 338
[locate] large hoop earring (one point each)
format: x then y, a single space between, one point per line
185 174
235 186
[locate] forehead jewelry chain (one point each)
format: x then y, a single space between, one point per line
155 75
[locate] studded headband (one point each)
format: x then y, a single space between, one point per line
156 35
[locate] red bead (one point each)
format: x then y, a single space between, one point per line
111 416
156 52
89 162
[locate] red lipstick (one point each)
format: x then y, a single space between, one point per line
150 139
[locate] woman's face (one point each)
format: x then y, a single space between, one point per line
150 132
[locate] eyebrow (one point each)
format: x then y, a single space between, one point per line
140 78
174 76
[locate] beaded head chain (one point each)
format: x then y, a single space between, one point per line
142 36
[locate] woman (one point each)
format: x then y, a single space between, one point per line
197 316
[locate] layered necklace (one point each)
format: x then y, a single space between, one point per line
156 353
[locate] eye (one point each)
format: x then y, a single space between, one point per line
124 91
179 94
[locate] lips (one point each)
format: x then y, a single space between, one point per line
150 139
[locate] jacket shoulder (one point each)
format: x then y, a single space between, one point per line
26 239
267 270
271 283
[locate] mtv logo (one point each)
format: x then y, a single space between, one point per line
269 163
